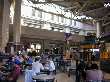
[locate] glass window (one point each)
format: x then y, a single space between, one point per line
47 16
54 8
61 30
38 47
40 14
81 32
62 19
32 46
56 18
67 30
68 22
52 17
33 12
74 23
22 22
46 26
55 29
43 15
26 11
37 26
41 0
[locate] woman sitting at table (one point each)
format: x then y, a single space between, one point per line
46 65
37 66
28 73
51 65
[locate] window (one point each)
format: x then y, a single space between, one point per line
61 30
38 48
56 18
32 46
52 17
37 26
22 22
67 30
74 23
47 16
40 14
41 0
68 21
33 12
62 19
55 29
46 26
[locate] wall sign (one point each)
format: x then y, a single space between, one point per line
106 3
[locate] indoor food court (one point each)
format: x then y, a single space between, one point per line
54 40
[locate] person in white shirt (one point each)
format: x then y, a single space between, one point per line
46 65
37 66
51 65
28 73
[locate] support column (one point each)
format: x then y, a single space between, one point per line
17 24
4 23
98 29
46 44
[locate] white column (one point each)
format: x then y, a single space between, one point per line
17 22
98 27
17 25
4 23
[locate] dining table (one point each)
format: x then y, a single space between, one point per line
44 78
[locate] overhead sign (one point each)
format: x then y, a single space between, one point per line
106 3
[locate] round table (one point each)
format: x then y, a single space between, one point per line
44 78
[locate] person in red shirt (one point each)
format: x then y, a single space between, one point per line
15 73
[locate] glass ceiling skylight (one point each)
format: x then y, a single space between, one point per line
51 7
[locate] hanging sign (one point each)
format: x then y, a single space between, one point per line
106 3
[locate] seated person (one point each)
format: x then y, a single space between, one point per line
28 73
29 60
9 64
51 65
37 66
94 74
46 66
15 73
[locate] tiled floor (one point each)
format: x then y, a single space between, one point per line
60 77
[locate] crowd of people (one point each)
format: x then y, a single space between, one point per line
89 73
36 65
18 64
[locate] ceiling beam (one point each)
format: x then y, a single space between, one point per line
49 1
98 14
94 10
108 23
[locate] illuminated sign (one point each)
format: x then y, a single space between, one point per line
106 3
